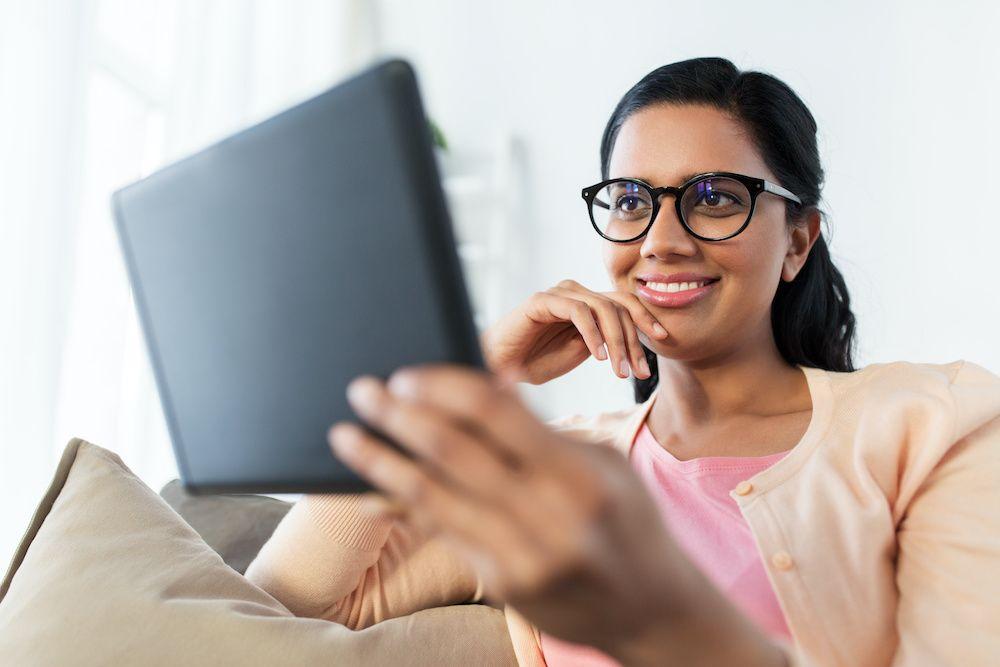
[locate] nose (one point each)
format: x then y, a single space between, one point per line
667 235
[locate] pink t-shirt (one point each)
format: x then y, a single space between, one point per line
693 497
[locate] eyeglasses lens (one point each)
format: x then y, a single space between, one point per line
713 207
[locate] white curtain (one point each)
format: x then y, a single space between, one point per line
93 95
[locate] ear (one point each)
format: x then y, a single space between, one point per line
800 242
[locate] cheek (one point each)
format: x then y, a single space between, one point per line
754 267
764 251
618 260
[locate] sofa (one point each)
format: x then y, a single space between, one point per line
109 572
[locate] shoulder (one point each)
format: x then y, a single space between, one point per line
602 427
906 373
901 375
902 420
961 391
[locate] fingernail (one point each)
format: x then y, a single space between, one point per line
361 392
341 439
623 367
645 366
602 352
401 383
659 329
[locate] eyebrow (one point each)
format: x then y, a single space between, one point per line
684 178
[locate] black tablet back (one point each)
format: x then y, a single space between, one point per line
278 264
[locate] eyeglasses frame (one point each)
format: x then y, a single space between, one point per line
754 185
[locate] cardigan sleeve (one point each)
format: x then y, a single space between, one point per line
326 559
948 559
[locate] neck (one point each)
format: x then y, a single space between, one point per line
751 380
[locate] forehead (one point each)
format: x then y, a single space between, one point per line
665 144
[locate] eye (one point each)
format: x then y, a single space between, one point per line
629 200
715 198
630 203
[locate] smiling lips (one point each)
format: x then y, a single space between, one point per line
675 294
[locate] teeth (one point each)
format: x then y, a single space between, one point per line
675 287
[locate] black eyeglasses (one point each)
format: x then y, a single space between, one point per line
713 206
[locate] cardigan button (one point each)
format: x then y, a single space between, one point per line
743 488
782 560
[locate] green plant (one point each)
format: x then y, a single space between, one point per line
437 135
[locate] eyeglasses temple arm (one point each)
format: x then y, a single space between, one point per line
781 192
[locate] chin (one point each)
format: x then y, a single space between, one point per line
661 347
678 346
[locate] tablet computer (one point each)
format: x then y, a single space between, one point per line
273 267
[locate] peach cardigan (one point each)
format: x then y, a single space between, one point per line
880 530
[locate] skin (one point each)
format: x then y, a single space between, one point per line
580 550
711 397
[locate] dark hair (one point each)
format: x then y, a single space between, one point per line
811 315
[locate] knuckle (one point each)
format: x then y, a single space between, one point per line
627 314
483 403
440 445
415 488
607 304
365 458
581 309
391 417
566 283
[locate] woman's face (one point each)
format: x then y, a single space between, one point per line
665 145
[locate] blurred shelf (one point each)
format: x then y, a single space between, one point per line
478 186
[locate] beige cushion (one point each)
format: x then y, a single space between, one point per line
236 526
108 573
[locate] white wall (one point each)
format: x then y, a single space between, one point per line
98 92
95 94
904 94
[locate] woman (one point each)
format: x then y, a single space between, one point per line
763 503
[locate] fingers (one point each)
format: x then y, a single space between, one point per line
635 350
478 401
505 527
403 479
473 464
640 314
377 462
463 460
580 314
609 315
606 313
433 505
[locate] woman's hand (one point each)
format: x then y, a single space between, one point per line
559 528
554 331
